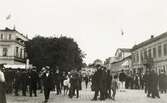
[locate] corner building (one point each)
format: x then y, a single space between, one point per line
12 47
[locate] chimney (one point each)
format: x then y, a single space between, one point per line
152 36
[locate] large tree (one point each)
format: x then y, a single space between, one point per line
62 53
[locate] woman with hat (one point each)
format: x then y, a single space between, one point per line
2 87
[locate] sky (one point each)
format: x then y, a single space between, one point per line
95 25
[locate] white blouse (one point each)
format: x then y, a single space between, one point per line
2 78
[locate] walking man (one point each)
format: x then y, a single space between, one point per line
47 83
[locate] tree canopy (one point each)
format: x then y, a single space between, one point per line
62 53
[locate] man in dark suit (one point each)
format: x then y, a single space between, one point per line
122 79
154 86
58 81
17 81
47 83
96 81
24 79
33 82
103 83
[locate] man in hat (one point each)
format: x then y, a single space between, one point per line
96 81
47 83
162 82
122 79
17 81
33 77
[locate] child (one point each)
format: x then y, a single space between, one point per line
114 86
66 84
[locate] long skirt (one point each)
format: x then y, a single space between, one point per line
2 93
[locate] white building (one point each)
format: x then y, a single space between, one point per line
122 60
152 51
12 47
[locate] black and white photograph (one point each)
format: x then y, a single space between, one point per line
83 51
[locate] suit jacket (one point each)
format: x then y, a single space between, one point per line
47 81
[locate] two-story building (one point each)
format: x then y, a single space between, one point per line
150 54
12 47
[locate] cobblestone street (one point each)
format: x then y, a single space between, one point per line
129 96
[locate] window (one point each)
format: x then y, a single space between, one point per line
133 57
10 36
5 51
1 36
141 56
17 51
165 49
137 57
149 53
159 51
145 54
21 53
154 52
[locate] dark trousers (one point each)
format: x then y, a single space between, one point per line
146 88
58 88
155 93
34 90
72 92
17 87
86 83
24 88
96 94
102 94
46 93
77 90
16 91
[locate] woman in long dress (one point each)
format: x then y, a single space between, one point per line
2 87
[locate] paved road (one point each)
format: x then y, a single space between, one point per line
129 96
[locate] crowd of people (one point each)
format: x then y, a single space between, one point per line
103 82
21 82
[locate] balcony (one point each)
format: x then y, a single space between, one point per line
13 58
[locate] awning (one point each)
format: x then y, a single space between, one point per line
16 66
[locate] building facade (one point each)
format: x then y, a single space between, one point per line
150 54
12 47
123 60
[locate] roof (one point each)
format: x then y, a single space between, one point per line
12 30
7 29
125 49
151 40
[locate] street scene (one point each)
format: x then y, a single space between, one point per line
83 51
